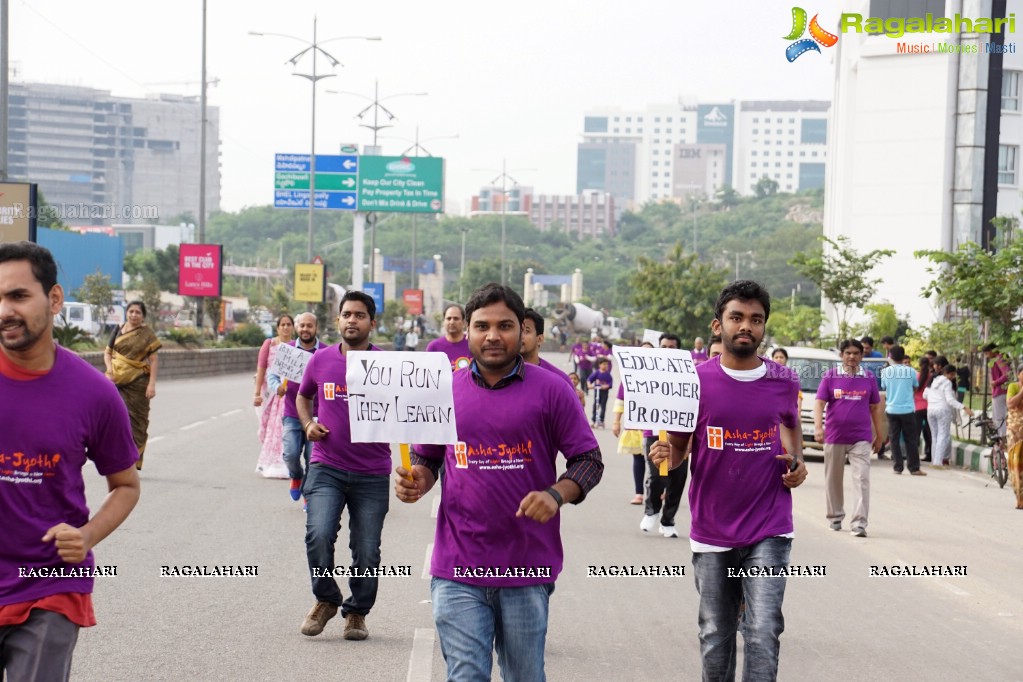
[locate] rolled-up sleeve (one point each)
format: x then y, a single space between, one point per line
585 470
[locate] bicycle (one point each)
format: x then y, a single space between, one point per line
999 462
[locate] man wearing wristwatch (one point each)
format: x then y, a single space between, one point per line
497 549
294 442
740 494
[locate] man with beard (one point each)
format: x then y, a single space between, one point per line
532 340
295 444
740 495
59 413
453 344
498 550
342 474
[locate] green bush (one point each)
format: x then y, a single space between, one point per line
246 335
185 336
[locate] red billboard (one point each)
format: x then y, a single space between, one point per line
413 299
200 269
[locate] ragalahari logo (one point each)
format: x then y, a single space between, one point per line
817 35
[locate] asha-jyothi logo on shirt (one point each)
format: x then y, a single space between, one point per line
802 45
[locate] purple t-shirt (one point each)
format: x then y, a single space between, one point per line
458 353
69 415
736 496
508 446
324 378
579 352
598 379
699 356
289 397
551 368
848 402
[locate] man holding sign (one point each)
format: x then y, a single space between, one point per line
295 444
342 474
497 549
740 494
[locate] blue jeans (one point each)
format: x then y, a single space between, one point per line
296 446
472 621
327 492
719 610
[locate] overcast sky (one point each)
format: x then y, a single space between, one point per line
512 80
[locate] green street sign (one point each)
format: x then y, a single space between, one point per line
324 181
400 184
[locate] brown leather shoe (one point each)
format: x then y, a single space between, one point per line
355 627
918 472
317 618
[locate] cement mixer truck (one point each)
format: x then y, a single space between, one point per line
577 318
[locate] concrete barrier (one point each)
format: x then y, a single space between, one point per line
188 364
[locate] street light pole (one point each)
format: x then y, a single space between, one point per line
202 161
313 78
504 177
376 106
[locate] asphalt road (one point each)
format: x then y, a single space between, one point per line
203 504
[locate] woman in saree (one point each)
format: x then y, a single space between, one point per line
271 406
1014 433
130 358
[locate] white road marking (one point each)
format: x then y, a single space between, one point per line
427 562
193 425
420 663
154 439
228 414
435 508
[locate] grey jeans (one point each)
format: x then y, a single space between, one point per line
38 649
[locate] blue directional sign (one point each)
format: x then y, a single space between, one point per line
291 198
336 181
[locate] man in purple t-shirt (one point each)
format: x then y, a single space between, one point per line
342 474
854 405
294 442
583 359
740 494
453 343
58 414
532 340
497 549
698 352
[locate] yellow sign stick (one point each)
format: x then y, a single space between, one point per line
663 437
406 459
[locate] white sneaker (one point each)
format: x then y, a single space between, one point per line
648 523
667 531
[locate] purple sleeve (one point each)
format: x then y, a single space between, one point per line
824 390
875 395
790 417
307 389
621 392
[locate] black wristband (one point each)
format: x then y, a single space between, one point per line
556 495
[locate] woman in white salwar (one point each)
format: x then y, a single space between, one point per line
941 408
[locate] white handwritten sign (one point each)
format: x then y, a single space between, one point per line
652 336
400 397
662 390
289 362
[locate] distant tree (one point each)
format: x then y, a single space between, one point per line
677 294
842 275
151 297
986 283
765 187
211 306
727 196
98 292
48 215
882 320
798 326
480 272
279 301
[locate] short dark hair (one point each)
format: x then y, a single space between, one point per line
743 290
670 337
537 319
931 354
990 347
44 268
361 297
850 342
887 339
283 315
950 369
495 293
715 338
898 353
781 350
461 310
940 361
140 304
867 340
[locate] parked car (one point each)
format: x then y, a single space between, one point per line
810 364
